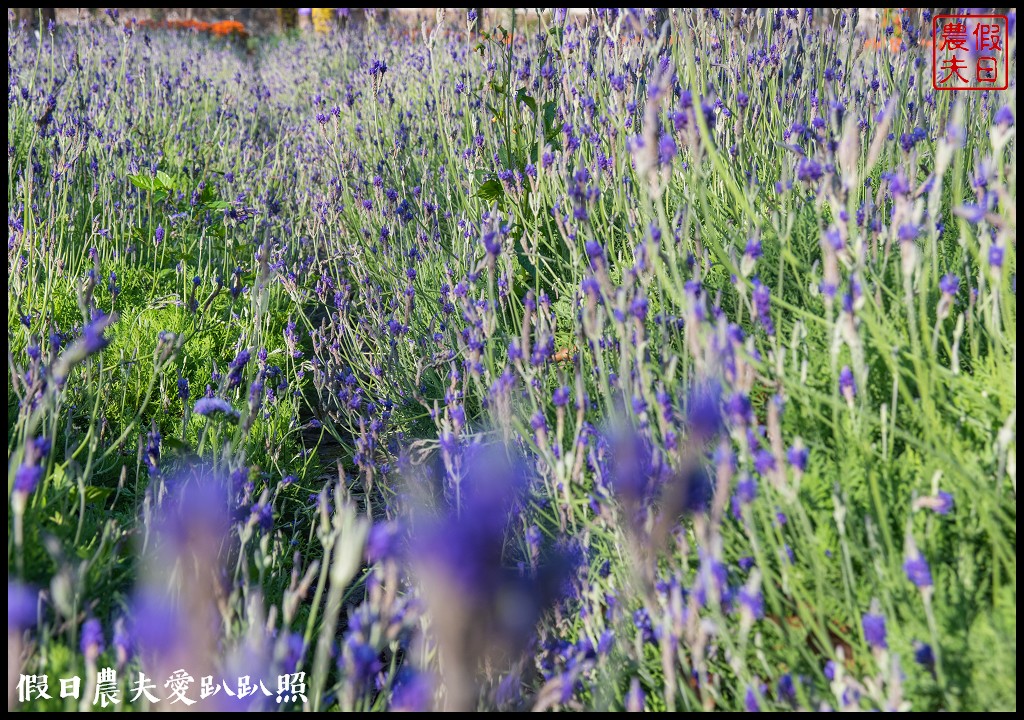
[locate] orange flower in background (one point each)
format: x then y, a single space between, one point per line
228 27
221 28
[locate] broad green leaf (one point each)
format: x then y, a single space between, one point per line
491 191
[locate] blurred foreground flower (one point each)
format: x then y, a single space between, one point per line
483 610
21 614
90 343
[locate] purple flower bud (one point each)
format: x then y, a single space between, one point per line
27 478
158 236
382 542
908 232
91 342
214 406
847 385
764 461
92 639
21 606
874 630
413 691
635 697
753 249
666 149
703 412
746 490
973 214
787 689
995 256
949 284
294 652
1004 116
753 602
899 184
237 366
751 701
561 396
797 457
918 571
41 446
639 406
924 655
638 308
808 170
538 422
492 244
123 645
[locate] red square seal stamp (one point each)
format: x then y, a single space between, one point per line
970 52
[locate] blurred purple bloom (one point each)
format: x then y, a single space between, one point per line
413 692
638 308
27 478
808 170
237 366
666 149
949 284
847 385
874 630
492 244
753 601
560 397
918 571
746 490
294 652
995 256
924 655
92 639
787 689
21 606
973 214
159 627
464 547
382 542
90 342
899 184
908 232
797 457
1004 116
538 422
751 701
703 411
635 697
764 461
214 406
753 249
359 660
124 647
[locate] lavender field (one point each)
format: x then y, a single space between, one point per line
602 361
